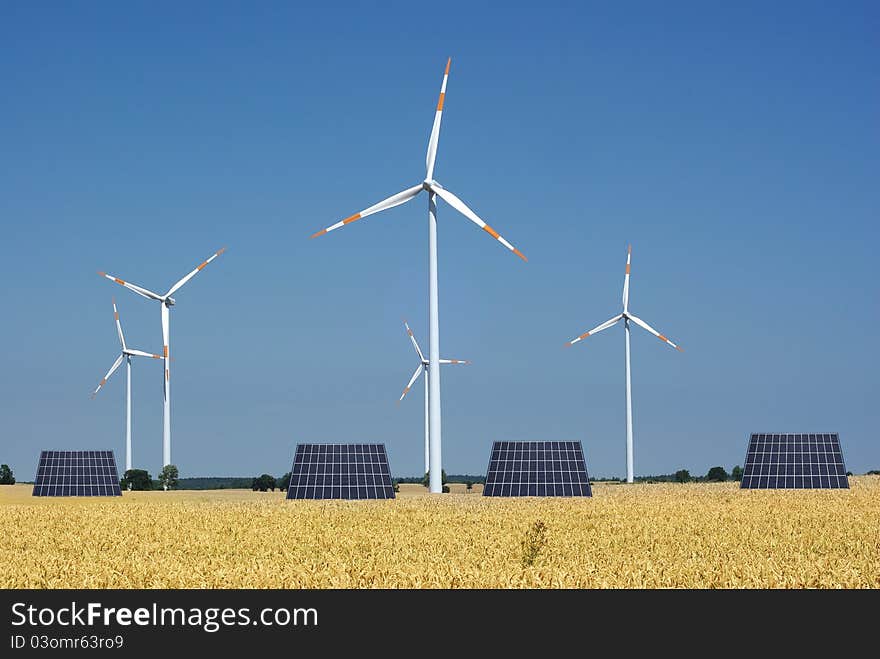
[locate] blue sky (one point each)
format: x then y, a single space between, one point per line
735 145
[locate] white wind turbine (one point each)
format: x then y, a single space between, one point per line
127 354
434 189
424 367
626 316
166 303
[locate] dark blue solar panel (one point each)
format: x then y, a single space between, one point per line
794 461
340 471
77 474
537 469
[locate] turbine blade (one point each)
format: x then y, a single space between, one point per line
414 342
454 361
194 272
462 208
384 205
143 292
118 324
641 323
109 373
608 323
435 129
141 353
411 380
629 250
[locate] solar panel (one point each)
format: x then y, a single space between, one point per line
537 469
798 461
77 474
340 471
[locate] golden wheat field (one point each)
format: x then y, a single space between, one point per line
642 536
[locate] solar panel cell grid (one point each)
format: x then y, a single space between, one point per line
796 461
77 473
536 469
340 471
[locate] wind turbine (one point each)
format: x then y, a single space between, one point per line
166 303
434 189
424 367
127 354
626 316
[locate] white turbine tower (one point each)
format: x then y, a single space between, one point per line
127 354
434 189
626 316
166 302
424 367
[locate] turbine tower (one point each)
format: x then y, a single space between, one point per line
424 367
626 316
166 302
127 354
434 190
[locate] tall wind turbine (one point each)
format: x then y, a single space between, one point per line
166 302
626 316
423 367
434 189
127 354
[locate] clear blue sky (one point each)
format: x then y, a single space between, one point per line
734 144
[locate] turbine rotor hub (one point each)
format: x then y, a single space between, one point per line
169 301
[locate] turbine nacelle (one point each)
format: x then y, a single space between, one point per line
169 302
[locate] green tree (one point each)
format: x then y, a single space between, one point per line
683 476
168 477
284 482
263 483
737 473
469 485
136 479
717 474
6 477
426 481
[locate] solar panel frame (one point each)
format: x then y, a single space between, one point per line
340 471
540 469
89 473
794 461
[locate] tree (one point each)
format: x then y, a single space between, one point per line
168 477
6 477
683 476
469 485
737 473
426 481
263 483
136 479
717 474
284 482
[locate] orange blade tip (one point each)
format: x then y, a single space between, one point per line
679 348
629 249
319 233
220 251
103 274
448 63
520 255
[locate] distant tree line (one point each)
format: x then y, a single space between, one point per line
451 478
140 479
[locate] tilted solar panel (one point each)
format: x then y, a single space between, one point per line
340 471
537 469
794 461
77 474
